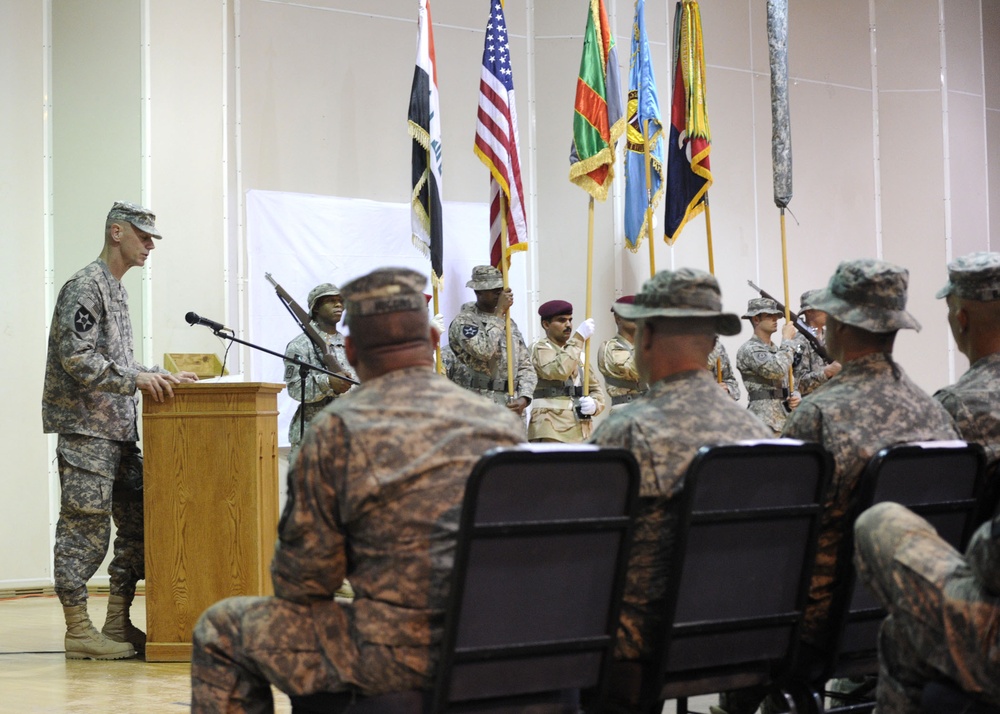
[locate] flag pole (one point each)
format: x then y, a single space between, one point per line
504 250
649 197
439 365
711 269
784 270
590 290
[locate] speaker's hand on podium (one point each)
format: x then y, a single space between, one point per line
186 377
157 384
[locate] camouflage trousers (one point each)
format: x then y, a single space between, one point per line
101 480
242 645
941 622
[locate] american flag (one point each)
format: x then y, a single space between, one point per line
496 138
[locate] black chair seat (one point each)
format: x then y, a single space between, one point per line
946 698
413 702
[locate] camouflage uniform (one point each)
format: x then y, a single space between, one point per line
90 401
664 430
808 367
944 609
375 495
719 357
479 341
318 392
972 400
764 368
871 404
616 360
677 416
560 368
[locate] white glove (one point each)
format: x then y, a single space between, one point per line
588 407
437 322
586 329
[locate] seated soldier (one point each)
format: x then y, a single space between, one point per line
944 609
973 294
678 315
374 494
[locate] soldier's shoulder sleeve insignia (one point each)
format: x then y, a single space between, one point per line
289 371
470 331
83 321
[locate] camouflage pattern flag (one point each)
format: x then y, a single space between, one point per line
781 125
688 173
598 120
643 106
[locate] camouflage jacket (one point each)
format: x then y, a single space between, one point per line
764 368
854 415
555 417
375 495
479 341
664 430
718 357
973 403
616 360
318 392
808 367
90 370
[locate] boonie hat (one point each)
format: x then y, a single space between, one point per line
762 306
321 291
975 276
485 277
869 294
384 291
683 293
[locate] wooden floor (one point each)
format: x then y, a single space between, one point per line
36 677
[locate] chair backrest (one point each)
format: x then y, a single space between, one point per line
539 574
747 530
942 481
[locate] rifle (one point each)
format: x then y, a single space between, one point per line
302 317
813 340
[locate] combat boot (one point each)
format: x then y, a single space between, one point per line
119 628
83 641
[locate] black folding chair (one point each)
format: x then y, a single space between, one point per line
942 481
538 579
748 525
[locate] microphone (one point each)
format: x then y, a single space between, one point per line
193 318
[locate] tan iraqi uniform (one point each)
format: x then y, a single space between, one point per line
616 361
560 371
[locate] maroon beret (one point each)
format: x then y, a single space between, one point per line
552 308
624 300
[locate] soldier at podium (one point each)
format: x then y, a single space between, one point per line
90 400
375 495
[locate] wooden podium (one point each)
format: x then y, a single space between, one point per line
211 504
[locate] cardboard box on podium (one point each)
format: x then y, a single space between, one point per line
211 504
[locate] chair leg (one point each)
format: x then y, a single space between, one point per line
682 705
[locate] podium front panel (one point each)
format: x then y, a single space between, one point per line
211 504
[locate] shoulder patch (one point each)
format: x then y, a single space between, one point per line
289 371
83 321
470 331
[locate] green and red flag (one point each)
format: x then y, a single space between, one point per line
688 172
599 119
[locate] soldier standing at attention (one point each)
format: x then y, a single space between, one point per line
326 307
478 338
764 367
810 370
560 411
616 360
90 400
375 494
973 296
718 359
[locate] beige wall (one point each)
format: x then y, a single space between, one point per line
187 104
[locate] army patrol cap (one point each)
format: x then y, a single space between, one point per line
682 293
805 302
141 218
974 277
385 291
762 306
321 291
485 277
868 293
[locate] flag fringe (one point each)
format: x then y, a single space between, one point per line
645 221
579 172
504 187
